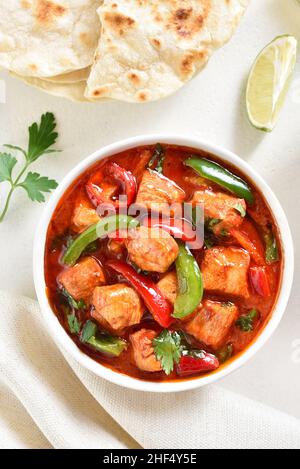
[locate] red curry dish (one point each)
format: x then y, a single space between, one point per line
136 294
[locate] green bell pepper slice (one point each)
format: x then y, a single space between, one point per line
216 173
100 229
102 342
190 283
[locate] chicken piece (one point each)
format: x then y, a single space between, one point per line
169 287
223 207
225 271
151 249
84 216
212 323
117 307
79 281
157 193
143 352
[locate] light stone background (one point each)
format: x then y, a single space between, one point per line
210 107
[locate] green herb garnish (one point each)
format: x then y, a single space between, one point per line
209 238
167 349
41 138
157 160
74 324
72 302
89 330
245 322
272 254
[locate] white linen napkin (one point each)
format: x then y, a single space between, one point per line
48 401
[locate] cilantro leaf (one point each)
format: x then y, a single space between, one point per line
167 349
7 164
73 303
241 210
74 324
41 137
36 185
245 322
209 238
89 330
157 161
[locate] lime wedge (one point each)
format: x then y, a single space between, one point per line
269 82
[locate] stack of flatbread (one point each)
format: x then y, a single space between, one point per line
128 50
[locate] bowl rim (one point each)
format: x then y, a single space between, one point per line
67 345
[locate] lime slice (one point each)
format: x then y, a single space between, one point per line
269 82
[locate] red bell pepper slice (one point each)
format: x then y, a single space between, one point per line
189 365
260 281
156 303
126 178
95 194
121 176
180 228
248 238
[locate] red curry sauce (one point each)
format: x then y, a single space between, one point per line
60 230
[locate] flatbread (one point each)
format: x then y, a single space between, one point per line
128 50
71 77
149 48
45 38
72 91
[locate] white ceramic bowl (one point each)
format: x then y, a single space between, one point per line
65 342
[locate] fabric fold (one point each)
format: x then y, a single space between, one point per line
38 376
73 408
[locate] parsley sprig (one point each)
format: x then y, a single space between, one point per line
42 137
